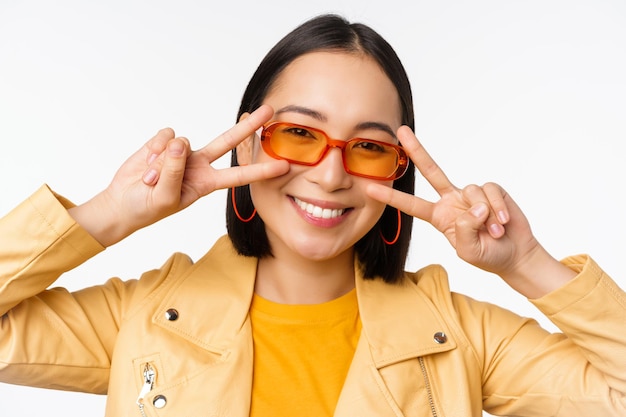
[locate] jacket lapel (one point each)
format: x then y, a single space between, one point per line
216 293
212 300
399 321
399 326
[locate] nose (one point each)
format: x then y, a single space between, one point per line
330 173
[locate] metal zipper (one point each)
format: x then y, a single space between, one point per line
149 375
429 391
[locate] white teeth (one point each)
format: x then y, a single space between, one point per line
316 211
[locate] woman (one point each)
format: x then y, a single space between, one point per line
304 309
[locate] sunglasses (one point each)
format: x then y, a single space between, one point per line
305 145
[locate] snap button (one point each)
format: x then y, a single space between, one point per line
171 314
159 401
440 337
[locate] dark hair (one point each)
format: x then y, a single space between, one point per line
330 33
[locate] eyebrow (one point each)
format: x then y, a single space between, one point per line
322 118
303 110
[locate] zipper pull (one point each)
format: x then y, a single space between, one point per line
148 382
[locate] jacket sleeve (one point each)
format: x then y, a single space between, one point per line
52 338
579 372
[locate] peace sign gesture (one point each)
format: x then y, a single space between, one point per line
166 176
483 223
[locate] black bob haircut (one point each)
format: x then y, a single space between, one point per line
330 33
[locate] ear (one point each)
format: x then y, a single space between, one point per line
244 149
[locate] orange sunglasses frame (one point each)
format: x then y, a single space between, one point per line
268 129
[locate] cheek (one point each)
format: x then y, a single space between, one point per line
378 209
376 206
257 191
373 201
266 194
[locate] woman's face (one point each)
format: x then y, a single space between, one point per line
319 212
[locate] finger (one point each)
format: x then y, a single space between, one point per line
169 177
496 196
407 203
423 161
476 196
468 229
156 145
235 135
243 175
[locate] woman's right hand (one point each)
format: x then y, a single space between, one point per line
166 176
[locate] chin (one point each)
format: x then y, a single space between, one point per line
319 250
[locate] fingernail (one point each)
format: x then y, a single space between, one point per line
152 157
150 176
496 229
175 148
502 216
479 210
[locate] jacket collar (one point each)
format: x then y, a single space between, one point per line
213 299
399 320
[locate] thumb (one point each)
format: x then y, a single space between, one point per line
170 178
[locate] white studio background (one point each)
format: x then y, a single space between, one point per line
529 94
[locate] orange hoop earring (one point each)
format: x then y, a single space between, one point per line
232 198
395 239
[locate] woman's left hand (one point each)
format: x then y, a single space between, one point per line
483 223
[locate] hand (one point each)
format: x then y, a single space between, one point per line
166 176
483 223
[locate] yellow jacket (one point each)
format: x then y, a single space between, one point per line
423 351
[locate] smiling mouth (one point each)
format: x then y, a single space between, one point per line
319 212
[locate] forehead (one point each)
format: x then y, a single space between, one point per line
346 87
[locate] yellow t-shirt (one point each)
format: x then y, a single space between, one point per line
301 355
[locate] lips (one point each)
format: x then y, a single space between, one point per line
317 211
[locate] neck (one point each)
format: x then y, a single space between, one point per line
294 280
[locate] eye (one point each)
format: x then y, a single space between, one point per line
370 146
298 131
299 135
